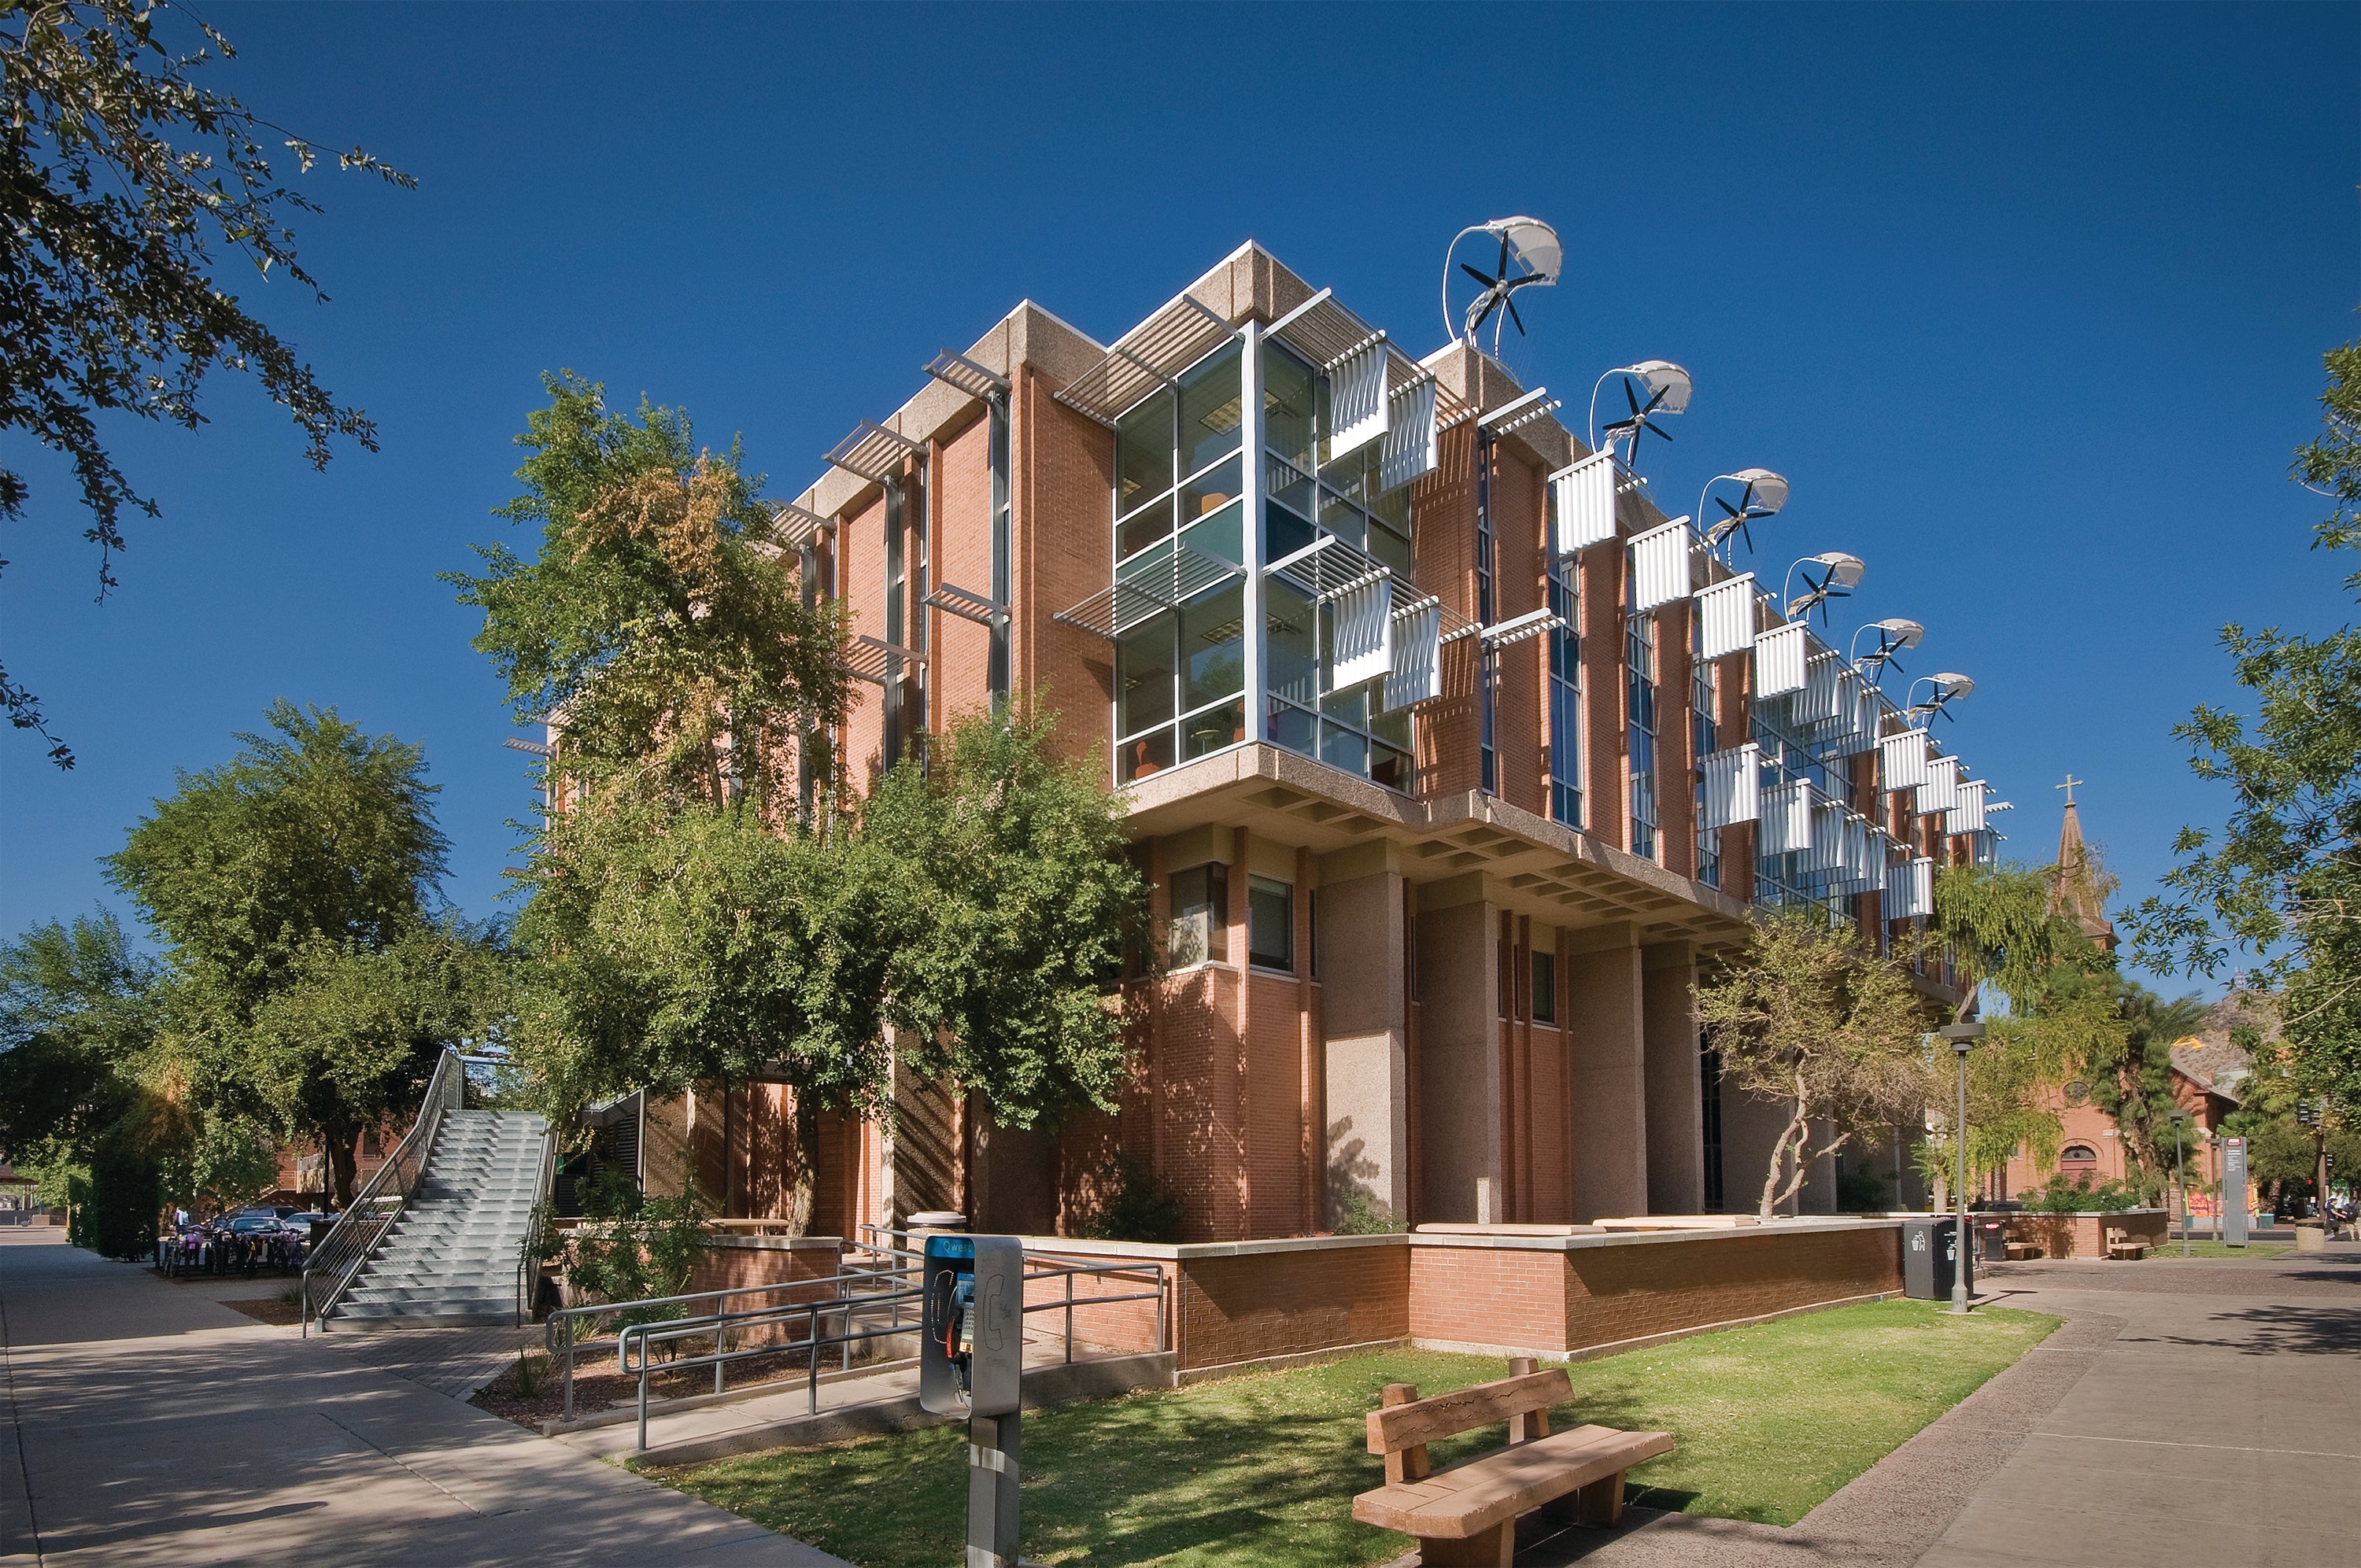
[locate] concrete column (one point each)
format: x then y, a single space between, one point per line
1606 1035
1675 1093
1365 1143
1459 1058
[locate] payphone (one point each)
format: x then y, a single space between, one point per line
969 1359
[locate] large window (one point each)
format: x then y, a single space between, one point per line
1710 1077
1201 916
1640 678
1789 880
1181 675
1544 986
1309 494
1703 689
906 617
1565 697
1270 924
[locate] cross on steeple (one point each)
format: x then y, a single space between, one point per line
2069 787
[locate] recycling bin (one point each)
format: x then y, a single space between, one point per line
1930 1254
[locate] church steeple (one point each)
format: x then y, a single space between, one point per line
2074 883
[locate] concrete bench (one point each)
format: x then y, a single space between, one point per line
1466 1517
2121 1245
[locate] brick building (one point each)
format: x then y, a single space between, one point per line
1450 756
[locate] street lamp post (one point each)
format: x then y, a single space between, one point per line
2180 1174
1964 1039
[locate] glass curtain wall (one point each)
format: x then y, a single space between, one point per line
1181 675
1640 681
1705 686
1565 695
1787 756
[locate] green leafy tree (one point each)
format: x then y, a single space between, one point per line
656 622
678 946
311 976
123 176
1811 1017
1030 901
2282 881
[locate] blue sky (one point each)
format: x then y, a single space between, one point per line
2028 302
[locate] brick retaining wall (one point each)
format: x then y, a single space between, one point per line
2085 1235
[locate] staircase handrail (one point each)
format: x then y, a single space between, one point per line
528 1261
355 1235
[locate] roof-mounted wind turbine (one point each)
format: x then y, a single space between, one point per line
1764 493
1948 688
1530 257
1830 575
1893 634
1667 386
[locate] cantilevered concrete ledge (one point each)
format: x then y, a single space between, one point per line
1531 864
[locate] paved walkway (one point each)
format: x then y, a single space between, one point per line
2207 1411
152 1425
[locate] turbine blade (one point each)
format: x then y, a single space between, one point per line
1510 301
1484 279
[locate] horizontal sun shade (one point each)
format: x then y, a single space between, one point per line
1821 700
796 526
874 452
1779 660
1910 889
1357 403
957 371
1409 449
1363 632
1968 816
1726 617
1659 566
1940 792
1417 672
1147 357
1586 502
1788 819
1129 600
1733 786
1903 759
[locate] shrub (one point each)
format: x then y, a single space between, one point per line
628 1247
1139 1207
1359 1212
1860 1190
2076 1197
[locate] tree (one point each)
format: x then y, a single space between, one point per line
2282 881
656 620
1030 901
671 946
1811 1016
77 1024
311 976
121 177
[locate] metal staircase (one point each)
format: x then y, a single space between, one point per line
435 1239
451 1257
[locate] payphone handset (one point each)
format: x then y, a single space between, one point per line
972 1341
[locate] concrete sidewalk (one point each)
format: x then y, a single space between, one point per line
2207 1411
152 1425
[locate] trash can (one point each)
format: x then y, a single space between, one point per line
1928 1256
1992 1241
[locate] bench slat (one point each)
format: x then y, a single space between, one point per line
1414 1425
1469 1498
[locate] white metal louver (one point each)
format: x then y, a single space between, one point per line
1358 404
1940 792
1826 851
1410 448
1659 566
1584 493
1880 852
1417 672
1859 717
1910 889
1861 872
1968 816
1903 760
1726 617
1786 818
1779 660
1733 786
1361 632
1820 700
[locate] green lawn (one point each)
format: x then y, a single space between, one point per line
1768 1421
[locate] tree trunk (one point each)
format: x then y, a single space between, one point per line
803 1192
1794 1132
342 1160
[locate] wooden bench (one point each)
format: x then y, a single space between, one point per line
2121 1245
1466 1517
